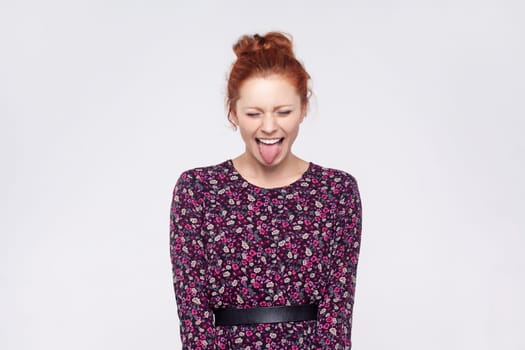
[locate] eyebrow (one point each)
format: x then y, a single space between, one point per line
276 107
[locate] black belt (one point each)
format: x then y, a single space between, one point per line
270 314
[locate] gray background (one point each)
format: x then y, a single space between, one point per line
104 103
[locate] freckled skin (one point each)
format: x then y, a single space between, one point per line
269 107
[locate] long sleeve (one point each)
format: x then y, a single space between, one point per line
188 258
336 306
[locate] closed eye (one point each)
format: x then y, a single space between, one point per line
284 112
252 114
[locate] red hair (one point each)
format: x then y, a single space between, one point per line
261 56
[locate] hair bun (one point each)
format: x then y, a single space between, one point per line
249 44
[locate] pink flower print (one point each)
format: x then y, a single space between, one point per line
222 223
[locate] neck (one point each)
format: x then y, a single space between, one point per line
287 171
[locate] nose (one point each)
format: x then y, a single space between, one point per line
269 123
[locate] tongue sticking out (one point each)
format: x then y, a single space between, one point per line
269 152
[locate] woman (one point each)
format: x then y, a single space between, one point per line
265 246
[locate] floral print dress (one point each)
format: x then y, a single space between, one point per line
237 245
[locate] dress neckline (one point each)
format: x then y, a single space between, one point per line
269 189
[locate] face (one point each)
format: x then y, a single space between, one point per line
268 114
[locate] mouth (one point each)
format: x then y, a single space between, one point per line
269 148
269 141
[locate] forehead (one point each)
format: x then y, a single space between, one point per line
272 90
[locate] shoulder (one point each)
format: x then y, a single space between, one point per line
342 190
334 178
197 179
339 186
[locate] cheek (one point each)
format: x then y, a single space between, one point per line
292 128
246 134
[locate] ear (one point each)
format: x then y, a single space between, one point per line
303 112
232 117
